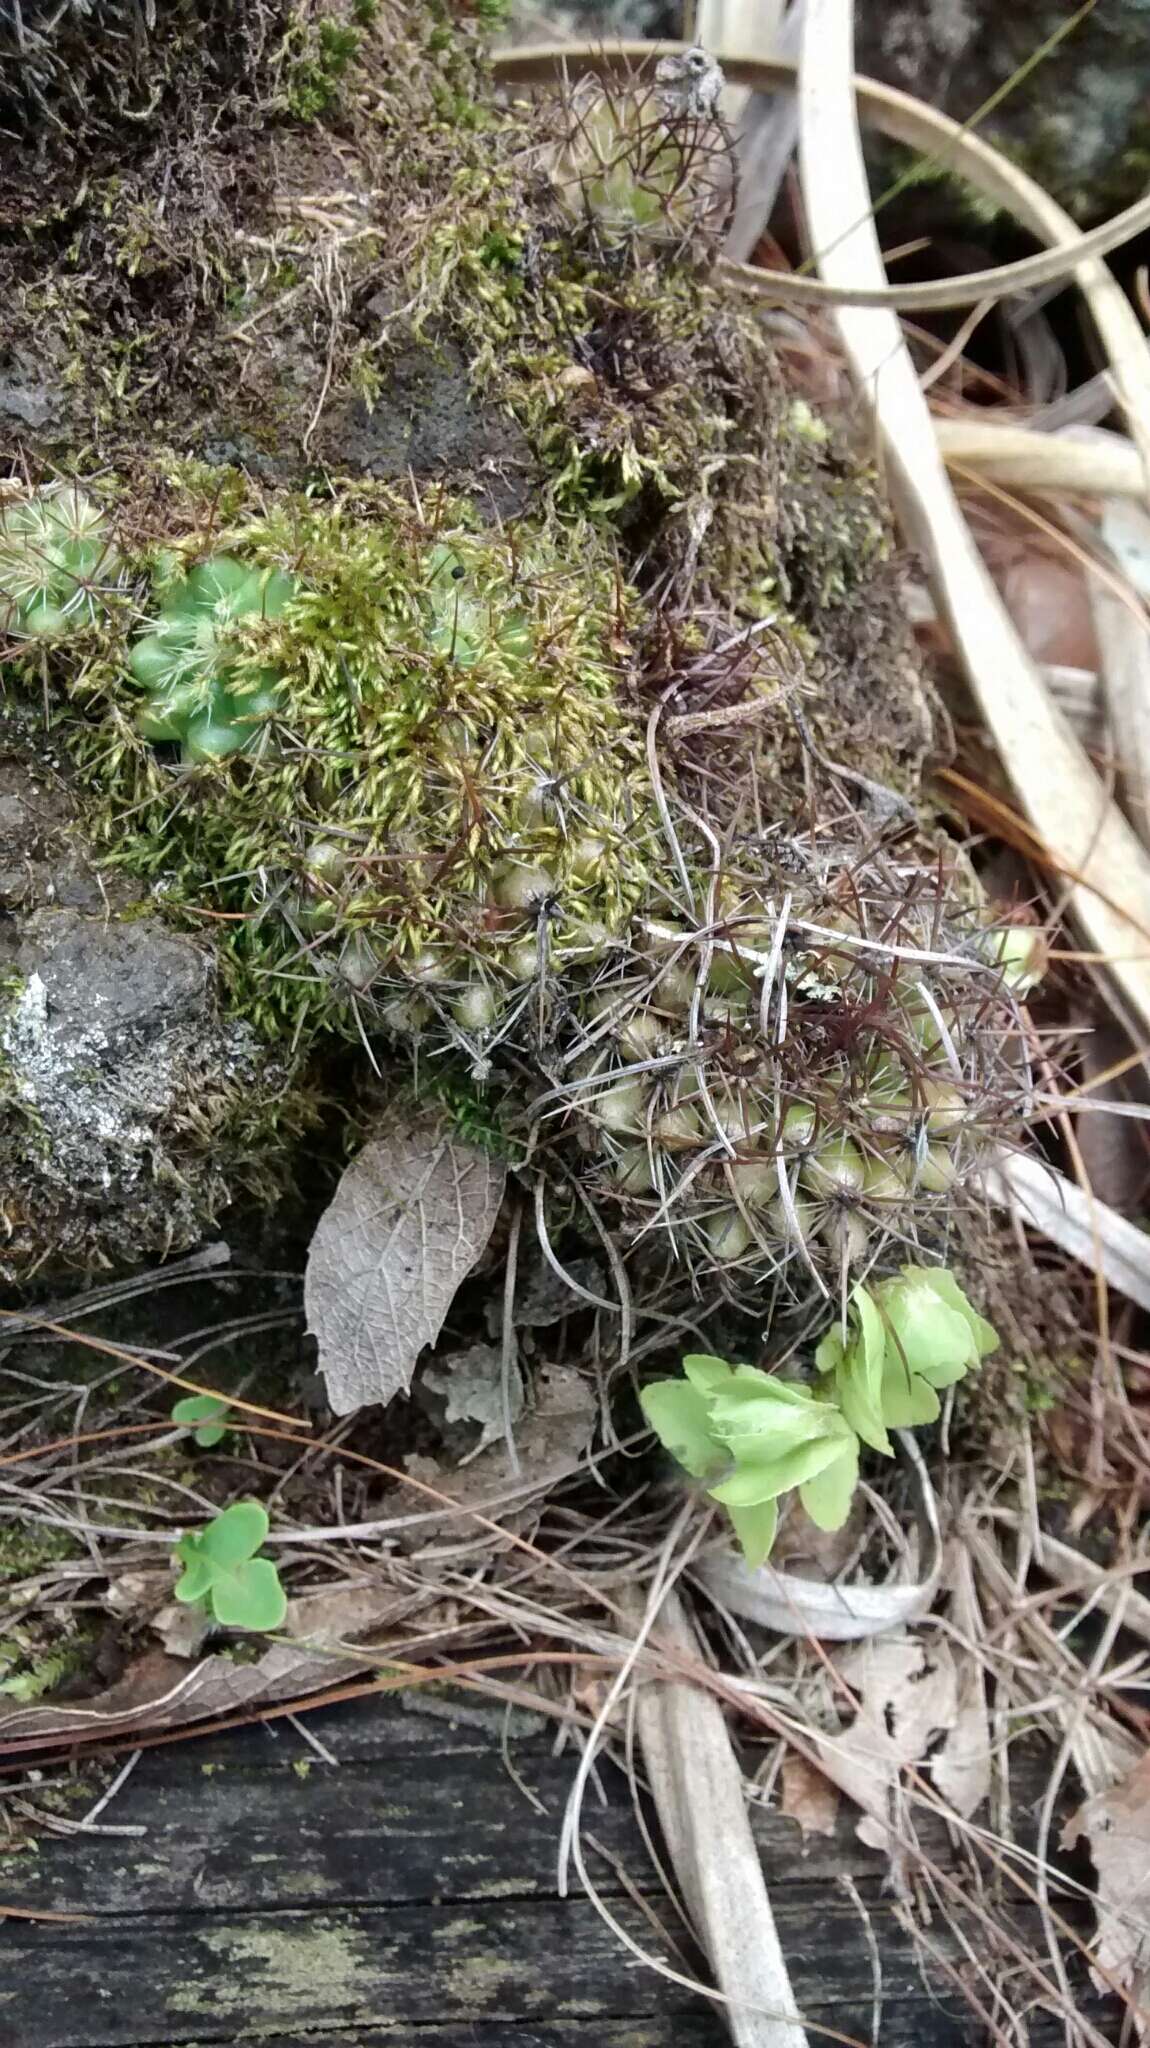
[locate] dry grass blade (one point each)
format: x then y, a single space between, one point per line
1061 793
1105 465
1076 1222
1110 1587
1123 634
698 1787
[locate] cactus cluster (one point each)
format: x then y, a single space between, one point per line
797 1088
57 563
200 663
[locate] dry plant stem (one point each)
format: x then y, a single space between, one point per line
1060 790
1106 465
697 1784
1123 635
1098 1237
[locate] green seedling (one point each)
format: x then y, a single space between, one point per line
223 1574
916 1334
205 1413
756 1438
752 1438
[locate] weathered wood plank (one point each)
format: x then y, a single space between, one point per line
222 1978
403 1892
387 1831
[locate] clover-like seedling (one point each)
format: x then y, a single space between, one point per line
915 1334
204 1413
200 690
755 1438
223 1574
56 563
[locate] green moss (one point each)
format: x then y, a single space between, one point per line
447 752
317 57
25 1551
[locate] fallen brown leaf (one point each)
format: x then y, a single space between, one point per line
405 1226
907 1696
808 1796
1116 1828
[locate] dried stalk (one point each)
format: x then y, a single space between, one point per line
697 1783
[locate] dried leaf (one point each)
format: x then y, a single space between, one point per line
160 1691
470 1383
907 1697
808 1796
961 1767
406 1225
550 1440
1116 1826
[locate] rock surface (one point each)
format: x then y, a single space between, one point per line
117 1071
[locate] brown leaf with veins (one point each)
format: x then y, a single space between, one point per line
405 1226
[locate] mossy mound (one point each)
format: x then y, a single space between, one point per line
415 757
430 741
346 256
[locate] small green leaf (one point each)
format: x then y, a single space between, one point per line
907 1401
207 1410
781 1416
947 1288
196 1581
757 1478
709 1375
831 1351
199 1408
678 1415
236 1534
828 1494
755 1528
248 1595
859 1377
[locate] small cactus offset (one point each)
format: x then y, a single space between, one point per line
646 168
57 564
206 687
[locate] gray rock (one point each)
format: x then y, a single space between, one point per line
427 421
117 1077
127 1102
